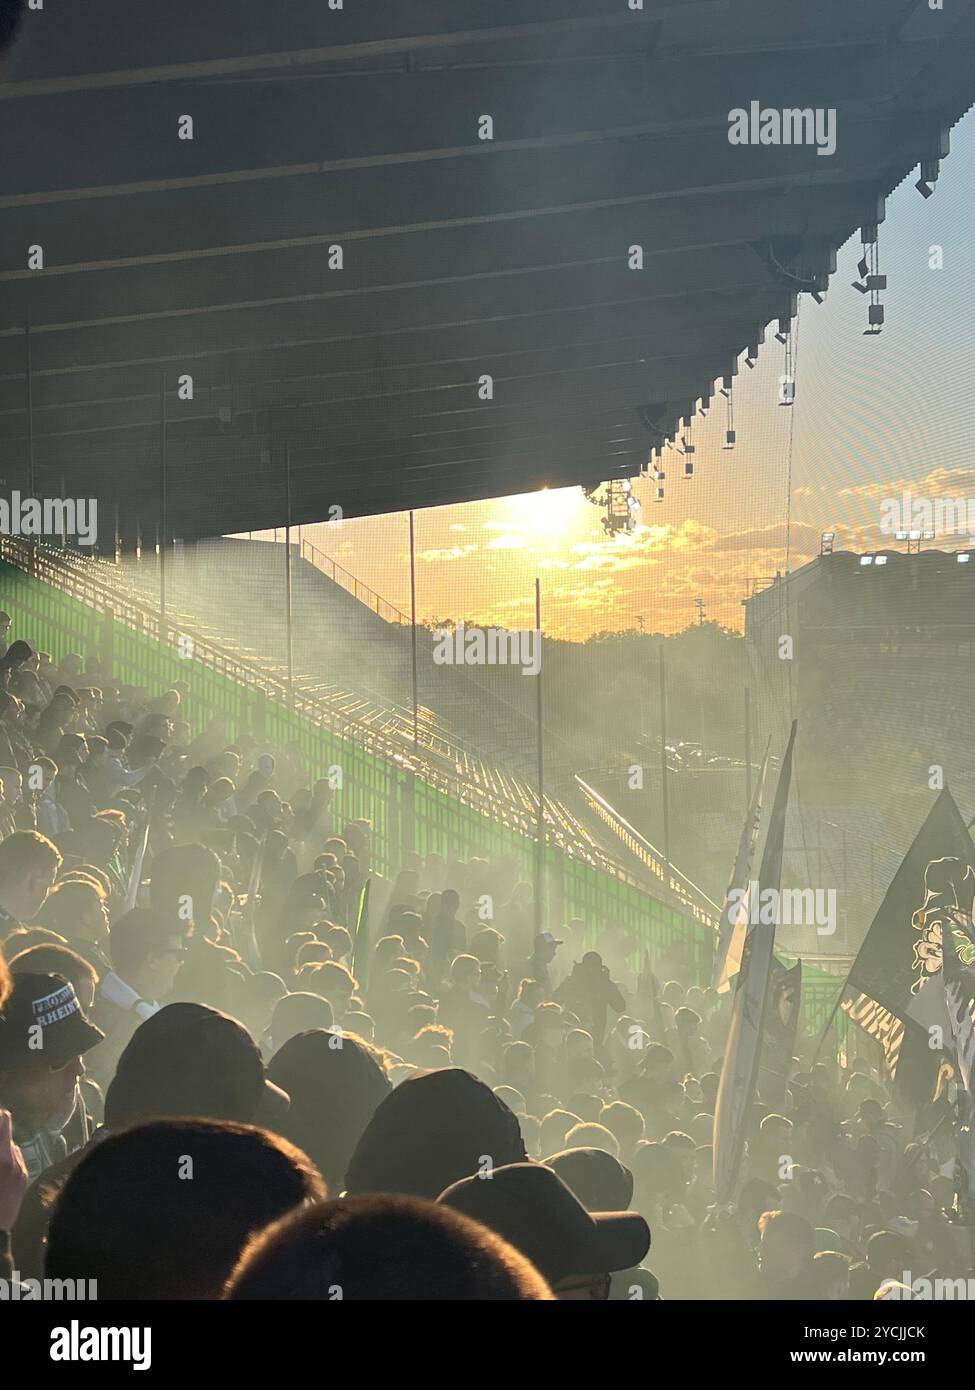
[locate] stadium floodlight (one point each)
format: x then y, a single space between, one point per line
880 560
621 508
927 535
866 559
901 535
826 542
913 535
963 557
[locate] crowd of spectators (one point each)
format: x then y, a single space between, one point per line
209 1028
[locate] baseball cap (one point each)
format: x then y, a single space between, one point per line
189 1059
595 1177
547 939
47 1002
532 1208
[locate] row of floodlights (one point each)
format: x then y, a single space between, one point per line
963 557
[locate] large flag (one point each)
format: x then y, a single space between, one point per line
734 919
781 1026
743 1050
894 990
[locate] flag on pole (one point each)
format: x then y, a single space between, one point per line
739 1070
734 918
895 991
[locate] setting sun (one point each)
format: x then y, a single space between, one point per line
549 512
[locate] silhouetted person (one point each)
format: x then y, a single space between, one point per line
381 1248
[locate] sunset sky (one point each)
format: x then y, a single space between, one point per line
872 416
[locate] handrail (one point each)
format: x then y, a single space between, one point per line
703 908
350 583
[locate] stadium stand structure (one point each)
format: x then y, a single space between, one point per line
414 798
75 604
412 801
883 657
874 636
318 384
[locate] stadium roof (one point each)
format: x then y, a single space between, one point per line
462 257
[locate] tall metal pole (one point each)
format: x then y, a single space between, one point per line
748 749
29 386
540 821
416 706
162 511
289 611
664 789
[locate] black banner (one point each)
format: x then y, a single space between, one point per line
894 991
